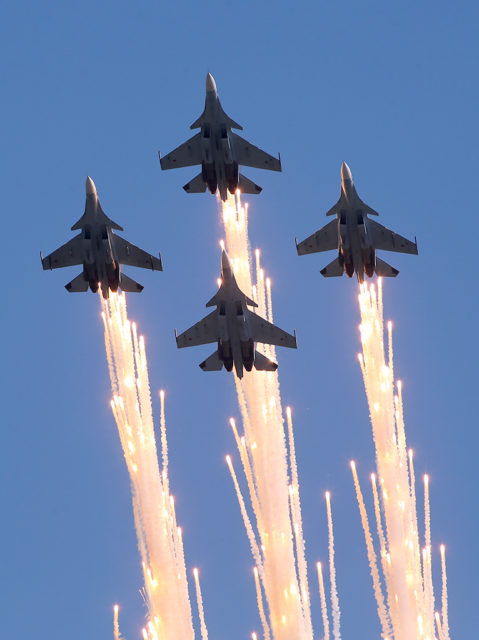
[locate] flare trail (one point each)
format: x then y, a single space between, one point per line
278 543
406 610
159 538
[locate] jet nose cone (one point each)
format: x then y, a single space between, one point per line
346 172
90 187
210 83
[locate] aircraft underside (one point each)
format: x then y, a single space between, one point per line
229 181
108 278
363 265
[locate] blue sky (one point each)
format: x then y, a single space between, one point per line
97 88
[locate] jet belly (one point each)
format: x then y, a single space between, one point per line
246 342
238 345
224 340
219 170
220 153
356 241
106 271
238 335
89 260
221 176
345 244
369 252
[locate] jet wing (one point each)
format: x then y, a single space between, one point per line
386 240
323 240
129 254
186 155
268 333
203 332
250 156
67 255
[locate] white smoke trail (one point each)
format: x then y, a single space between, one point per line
259 598
282 568
373 564
116 624
159 539
335 611
427 570
199 600
244 512
409 586
444 604
296 514
379 526
324 604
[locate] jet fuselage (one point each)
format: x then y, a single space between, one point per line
100 252
356 250
236 330
235 345
356 237
99 265
219 168
219 151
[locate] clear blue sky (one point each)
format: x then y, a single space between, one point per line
97 88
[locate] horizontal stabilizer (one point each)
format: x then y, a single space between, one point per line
129 285
333 269
213 363
78 285
384 269
247 186
262 363
197 185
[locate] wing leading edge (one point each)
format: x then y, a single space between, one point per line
386 240
325 239
131 255
203 332
268 333
68 255
250 156
187 154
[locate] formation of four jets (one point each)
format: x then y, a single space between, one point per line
235 328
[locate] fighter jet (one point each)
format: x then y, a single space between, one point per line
100 251
356 237
219 151
235 328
